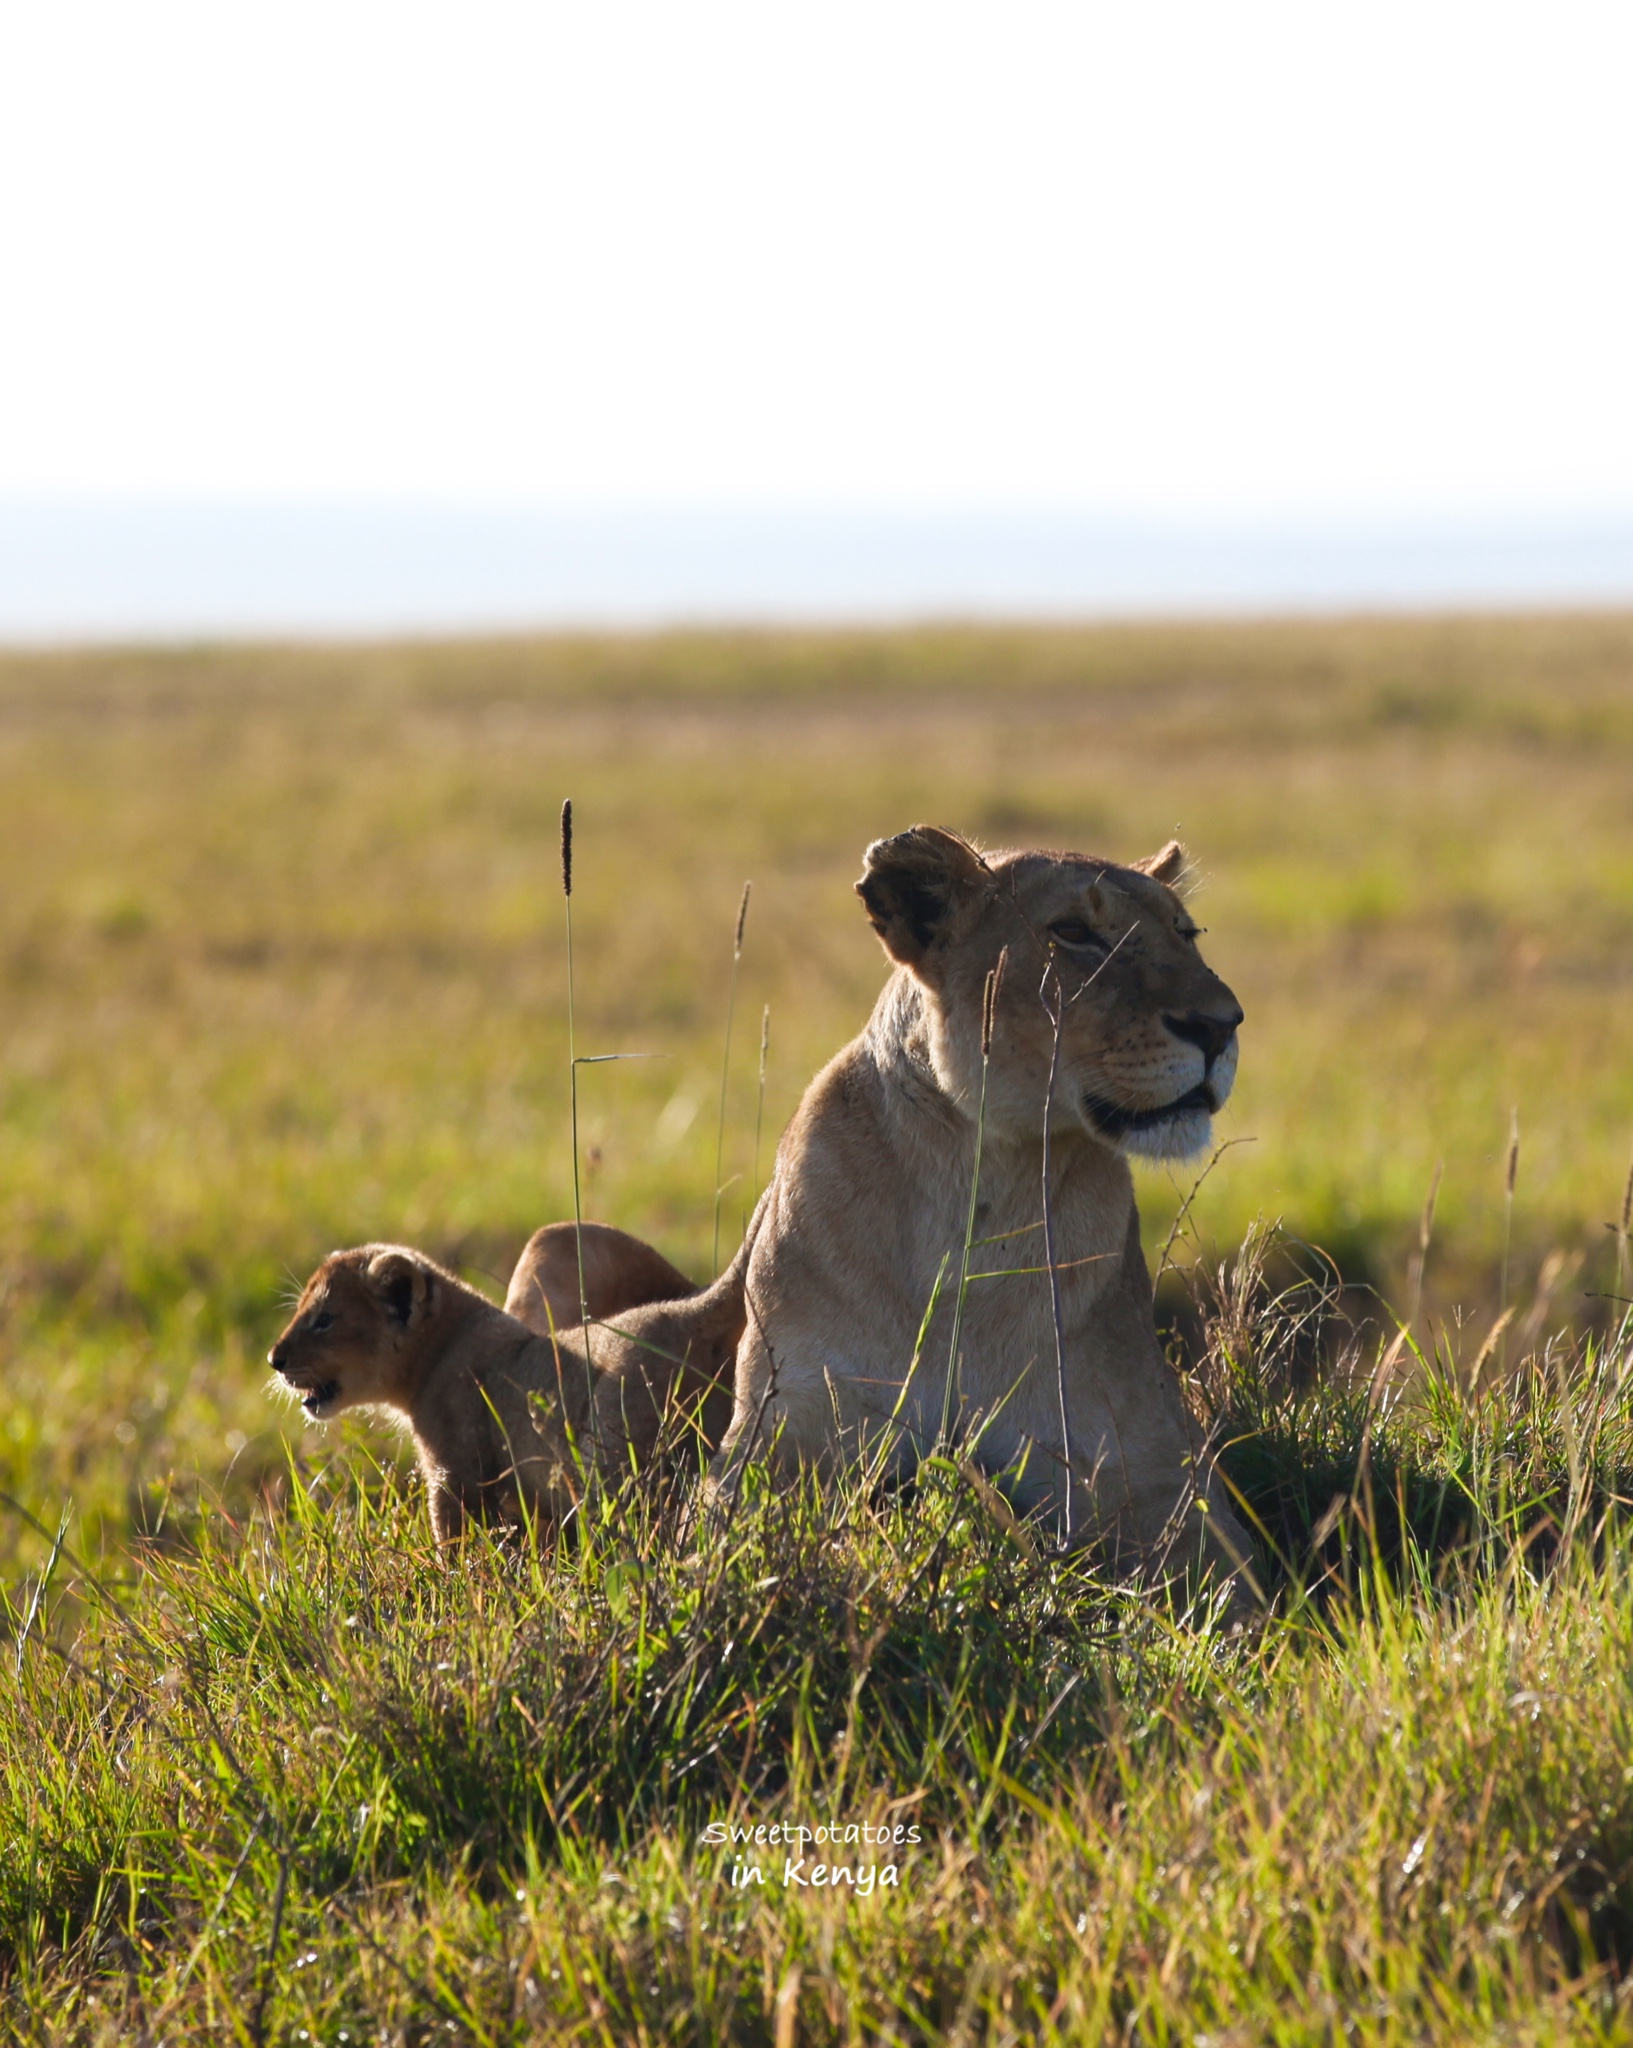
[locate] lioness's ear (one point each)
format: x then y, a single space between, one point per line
914 885
1166 866
402 1283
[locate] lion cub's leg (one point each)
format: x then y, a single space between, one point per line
620 1272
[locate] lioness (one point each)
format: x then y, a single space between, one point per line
502 1409
1064 1389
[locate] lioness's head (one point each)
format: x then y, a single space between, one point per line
348 1342
1147 1031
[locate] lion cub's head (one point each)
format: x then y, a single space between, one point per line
349 1341
1147 1031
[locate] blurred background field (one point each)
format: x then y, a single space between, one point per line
283 966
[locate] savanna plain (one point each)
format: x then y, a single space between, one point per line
282 968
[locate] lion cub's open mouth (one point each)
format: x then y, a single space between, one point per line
317 1398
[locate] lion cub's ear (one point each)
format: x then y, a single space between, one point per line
402 1284
1166 866
914 885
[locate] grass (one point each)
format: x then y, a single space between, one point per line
294 1781
282 969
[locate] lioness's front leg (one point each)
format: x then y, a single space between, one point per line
1134 1478
782 1411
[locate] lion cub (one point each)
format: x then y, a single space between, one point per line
489 1402
505 1415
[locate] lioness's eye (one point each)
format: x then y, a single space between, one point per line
1072 931
321 1322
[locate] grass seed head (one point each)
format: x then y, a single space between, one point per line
989 1001
567 847
742 920
1512 1168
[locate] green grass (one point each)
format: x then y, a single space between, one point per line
293 1780
281 969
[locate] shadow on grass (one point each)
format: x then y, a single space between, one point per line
1353 1447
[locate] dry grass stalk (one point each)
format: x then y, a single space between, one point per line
1558 1270
1494 1336
725 1071
989 999
1511 1170
1425 1233
572 1089
1055 1011
759 1112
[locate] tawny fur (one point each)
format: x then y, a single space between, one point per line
872 1188
505 1416
620 1272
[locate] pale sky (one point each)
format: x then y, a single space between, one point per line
1177 259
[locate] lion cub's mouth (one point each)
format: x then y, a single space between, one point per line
1116 1122
322 1396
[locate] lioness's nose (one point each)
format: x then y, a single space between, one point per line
275 1358
1209 1034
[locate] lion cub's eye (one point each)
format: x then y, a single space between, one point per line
1072 931
321 1322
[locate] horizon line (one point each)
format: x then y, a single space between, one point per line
78 572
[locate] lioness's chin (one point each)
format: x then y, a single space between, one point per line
1177 1137
1174 1130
